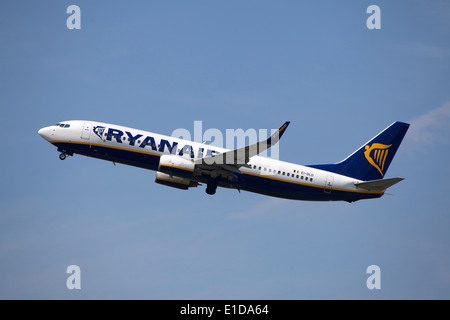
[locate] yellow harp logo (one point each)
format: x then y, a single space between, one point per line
376 154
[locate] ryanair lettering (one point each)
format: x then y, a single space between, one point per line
163 146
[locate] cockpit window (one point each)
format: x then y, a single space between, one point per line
62 125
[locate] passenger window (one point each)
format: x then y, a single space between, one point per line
259 168
254 167
302 177
310 179
279 172
297 177
270 170
265 169
288 174
284 173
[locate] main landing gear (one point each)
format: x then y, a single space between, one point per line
63 156
211 187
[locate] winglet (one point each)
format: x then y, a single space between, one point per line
241 156
273 139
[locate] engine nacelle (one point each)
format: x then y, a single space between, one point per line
174 181
176 165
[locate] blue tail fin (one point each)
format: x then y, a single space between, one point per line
371 161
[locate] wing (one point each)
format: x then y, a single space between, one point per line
231 161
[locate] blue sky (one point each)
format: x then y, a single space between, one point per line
161 65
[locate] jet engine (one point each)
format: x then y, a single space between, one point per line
176 165
174 181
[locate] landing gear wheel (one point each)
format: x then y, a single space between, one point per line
211 188
62 156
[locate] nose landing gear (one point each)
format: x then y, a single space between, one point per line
64 153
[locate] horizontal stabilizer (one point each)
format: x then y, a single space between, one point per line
378 185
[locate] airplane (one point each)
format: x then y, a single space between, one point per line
185 164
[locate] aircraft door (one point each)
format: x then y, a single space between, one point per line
328 184
86 132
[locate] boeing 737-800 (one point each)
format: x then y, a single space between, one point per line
184 164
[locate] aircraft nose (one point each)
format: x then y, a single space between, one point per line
46 133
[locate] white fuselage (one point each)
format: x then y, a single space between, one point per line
144 149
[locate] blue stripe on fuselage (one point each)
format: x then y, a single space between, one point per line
297 191
139 159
